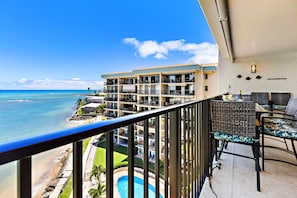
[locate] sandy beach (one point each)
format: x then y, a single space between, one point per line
46 167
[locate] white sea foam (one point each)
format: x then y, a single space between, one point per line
19 100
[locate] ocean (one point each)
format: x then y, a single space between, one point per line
27 113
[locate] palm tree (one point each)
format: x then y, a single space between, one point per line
96 172
97 192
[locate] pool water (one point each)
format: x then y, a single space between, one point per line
138 188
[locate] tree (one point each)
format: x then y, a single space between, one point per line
100 109
97 192
96 172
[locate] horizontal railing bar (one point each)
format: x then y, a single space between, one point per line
30 146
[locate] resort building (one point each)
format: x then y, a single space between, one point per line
152 88
257 53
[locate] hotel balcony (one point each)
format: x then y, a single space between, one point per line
110 91
111 99
23 150
148 92
128 100
179 92
261 31
234 179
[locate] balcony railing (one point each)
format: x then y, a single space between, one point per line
187 152
179 92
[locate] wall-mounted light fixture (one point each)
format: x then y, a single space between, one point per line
253 69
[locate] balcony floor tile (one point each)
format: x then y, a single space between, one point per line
237 176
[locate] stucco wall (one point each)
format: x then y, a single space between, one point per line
268 67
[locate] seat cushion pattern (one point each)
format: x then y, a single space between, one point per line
280 128
234 138
279 108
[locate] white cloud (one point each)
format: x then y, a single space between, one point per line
47 83
159 56
23 80
199 52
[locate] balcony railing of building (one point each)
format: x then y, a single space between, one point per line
128 81
149 82
111 99
110 91
179 92
149 92
111 82
111 107
128 100
147 103
128 92
111 115
178 80
187 151
132 109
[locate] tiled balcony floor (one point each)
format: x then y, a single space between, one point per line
237 176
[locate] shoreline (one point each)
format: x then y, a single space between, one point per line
56 175
46 168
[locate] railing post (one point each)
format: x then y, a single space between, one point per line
166 157
174 161
77 169
145 158
24 177
157 156
131 161
109 165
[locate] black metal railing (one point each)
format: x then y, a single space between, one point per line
187 150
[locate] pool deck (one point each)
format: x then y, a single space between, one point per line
138 173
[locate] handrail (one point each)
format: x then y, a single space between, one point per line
190 119
37 144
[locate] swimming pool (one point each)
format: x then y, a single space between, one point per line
138 187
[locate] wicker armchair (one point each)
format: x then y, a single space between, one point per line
235 122
283 126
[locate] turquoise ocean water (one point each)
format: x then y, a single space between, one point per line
27 113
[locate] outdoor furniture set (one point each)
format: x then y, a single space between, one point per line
242 122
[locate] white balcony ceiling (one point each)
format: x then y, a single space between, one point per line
257 27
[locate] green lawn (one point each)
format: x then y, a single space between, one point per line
118 160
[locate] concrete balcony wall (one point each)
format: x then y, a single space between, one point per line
278 74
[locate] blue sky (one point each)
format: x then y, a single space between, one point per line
61 44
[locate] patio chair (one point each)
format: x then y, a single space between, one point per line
281 125
262 98
235 122
280 101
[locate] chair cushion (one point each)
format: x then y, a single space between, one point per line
279 107
234 138
266 106
280 128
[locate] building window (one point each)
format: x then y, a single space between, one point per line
206 76
206 88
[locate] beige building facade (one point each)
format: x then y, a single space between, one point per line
155 87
